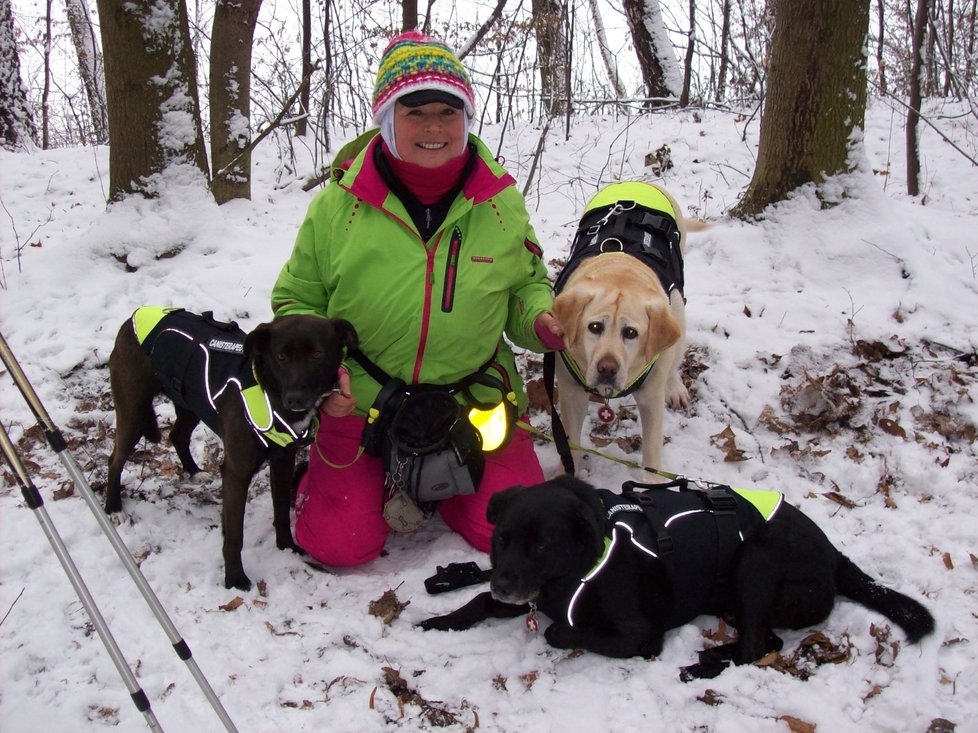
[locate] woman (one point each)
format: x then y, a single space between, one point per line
423 242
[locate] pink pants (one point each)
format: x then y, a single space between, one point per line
338 507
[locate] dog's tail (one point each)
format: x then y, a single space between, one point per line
915 620
150 426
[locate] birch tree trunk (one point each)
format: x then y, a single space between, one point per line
610 65
89 66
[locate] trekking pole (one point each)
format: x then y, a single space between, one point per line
34 501
60 446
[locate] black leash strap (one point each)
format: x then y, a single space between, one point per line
556 426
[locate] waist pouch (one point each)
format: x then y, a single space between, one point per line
431 451
430 447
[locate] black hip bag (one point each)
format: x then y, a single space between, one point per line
431 448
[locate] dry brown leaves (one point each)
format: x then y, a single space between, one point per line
726 441
435 715
813 651
387 607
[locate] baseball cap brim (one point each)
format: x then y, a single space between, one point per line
430 96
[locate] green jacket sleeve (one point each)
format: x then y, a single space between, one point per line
531 298
299 288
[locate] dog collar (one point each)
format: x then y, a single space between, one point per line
578 374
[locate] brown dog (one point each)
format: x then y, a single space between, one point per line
618 316
259 392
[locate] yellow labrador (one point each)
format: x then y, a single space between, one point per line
618 315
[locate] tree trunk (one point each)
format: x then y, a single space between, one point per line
17 128
655 58
151 85
230 97
816 98
880 46
607 56
89 66
46 92
409 15
548 24
302 124
724 51
688 62
913 114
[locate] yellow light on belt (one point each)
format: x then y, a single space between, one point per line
493 424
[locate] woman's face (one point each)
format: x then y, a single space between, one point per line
429 135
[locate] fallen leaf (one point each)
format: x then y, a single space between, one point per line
711 697
891 427
726 441
233 604
948 563
387 607
797 725
839 499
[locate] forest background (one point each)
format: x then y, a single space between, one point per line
831 350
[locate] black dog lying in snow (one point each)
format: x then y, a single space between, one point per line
259 392
579 555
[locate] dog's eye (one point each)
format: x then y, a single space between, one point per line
317 355
596 327
628 333
281 356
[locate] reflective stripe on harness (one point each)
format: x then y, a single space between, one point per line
236 370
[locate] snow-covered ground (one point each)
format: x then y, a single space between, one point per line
818 357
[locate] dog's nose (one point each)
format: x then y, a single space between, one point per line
607 368
296 400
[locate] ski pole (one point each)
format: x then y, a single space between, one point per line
60 447
34 501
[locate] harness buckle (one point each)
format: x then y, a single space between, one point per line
721 501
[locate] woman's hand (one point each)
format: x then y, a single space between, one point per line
549 331
341 402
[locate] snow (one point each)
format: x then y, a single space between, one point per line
777 312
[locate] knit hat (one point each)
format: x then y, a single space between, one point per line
414 62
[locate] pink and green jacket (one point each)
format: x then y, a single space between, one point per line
431 312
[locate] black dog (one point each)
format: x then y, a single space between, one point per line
579 554
259 392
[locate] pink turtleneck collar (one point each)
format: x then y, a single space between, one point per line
429 185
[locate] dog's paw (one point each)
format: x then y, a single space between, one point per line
288 544
236 580
702 670
677 396
561 636
448 622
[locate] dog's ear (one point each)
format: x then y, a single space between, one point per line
346 333
568 309
258 340
499 503
663 330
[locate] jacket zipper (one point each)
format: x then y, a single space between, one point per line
451 271
429 281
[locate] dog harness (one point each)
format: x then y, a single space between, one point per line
197 358
694 533
636 219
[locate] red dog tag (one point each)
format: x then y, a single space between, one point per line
606 414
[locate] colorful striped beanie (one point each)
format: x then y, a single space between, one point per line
413 62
